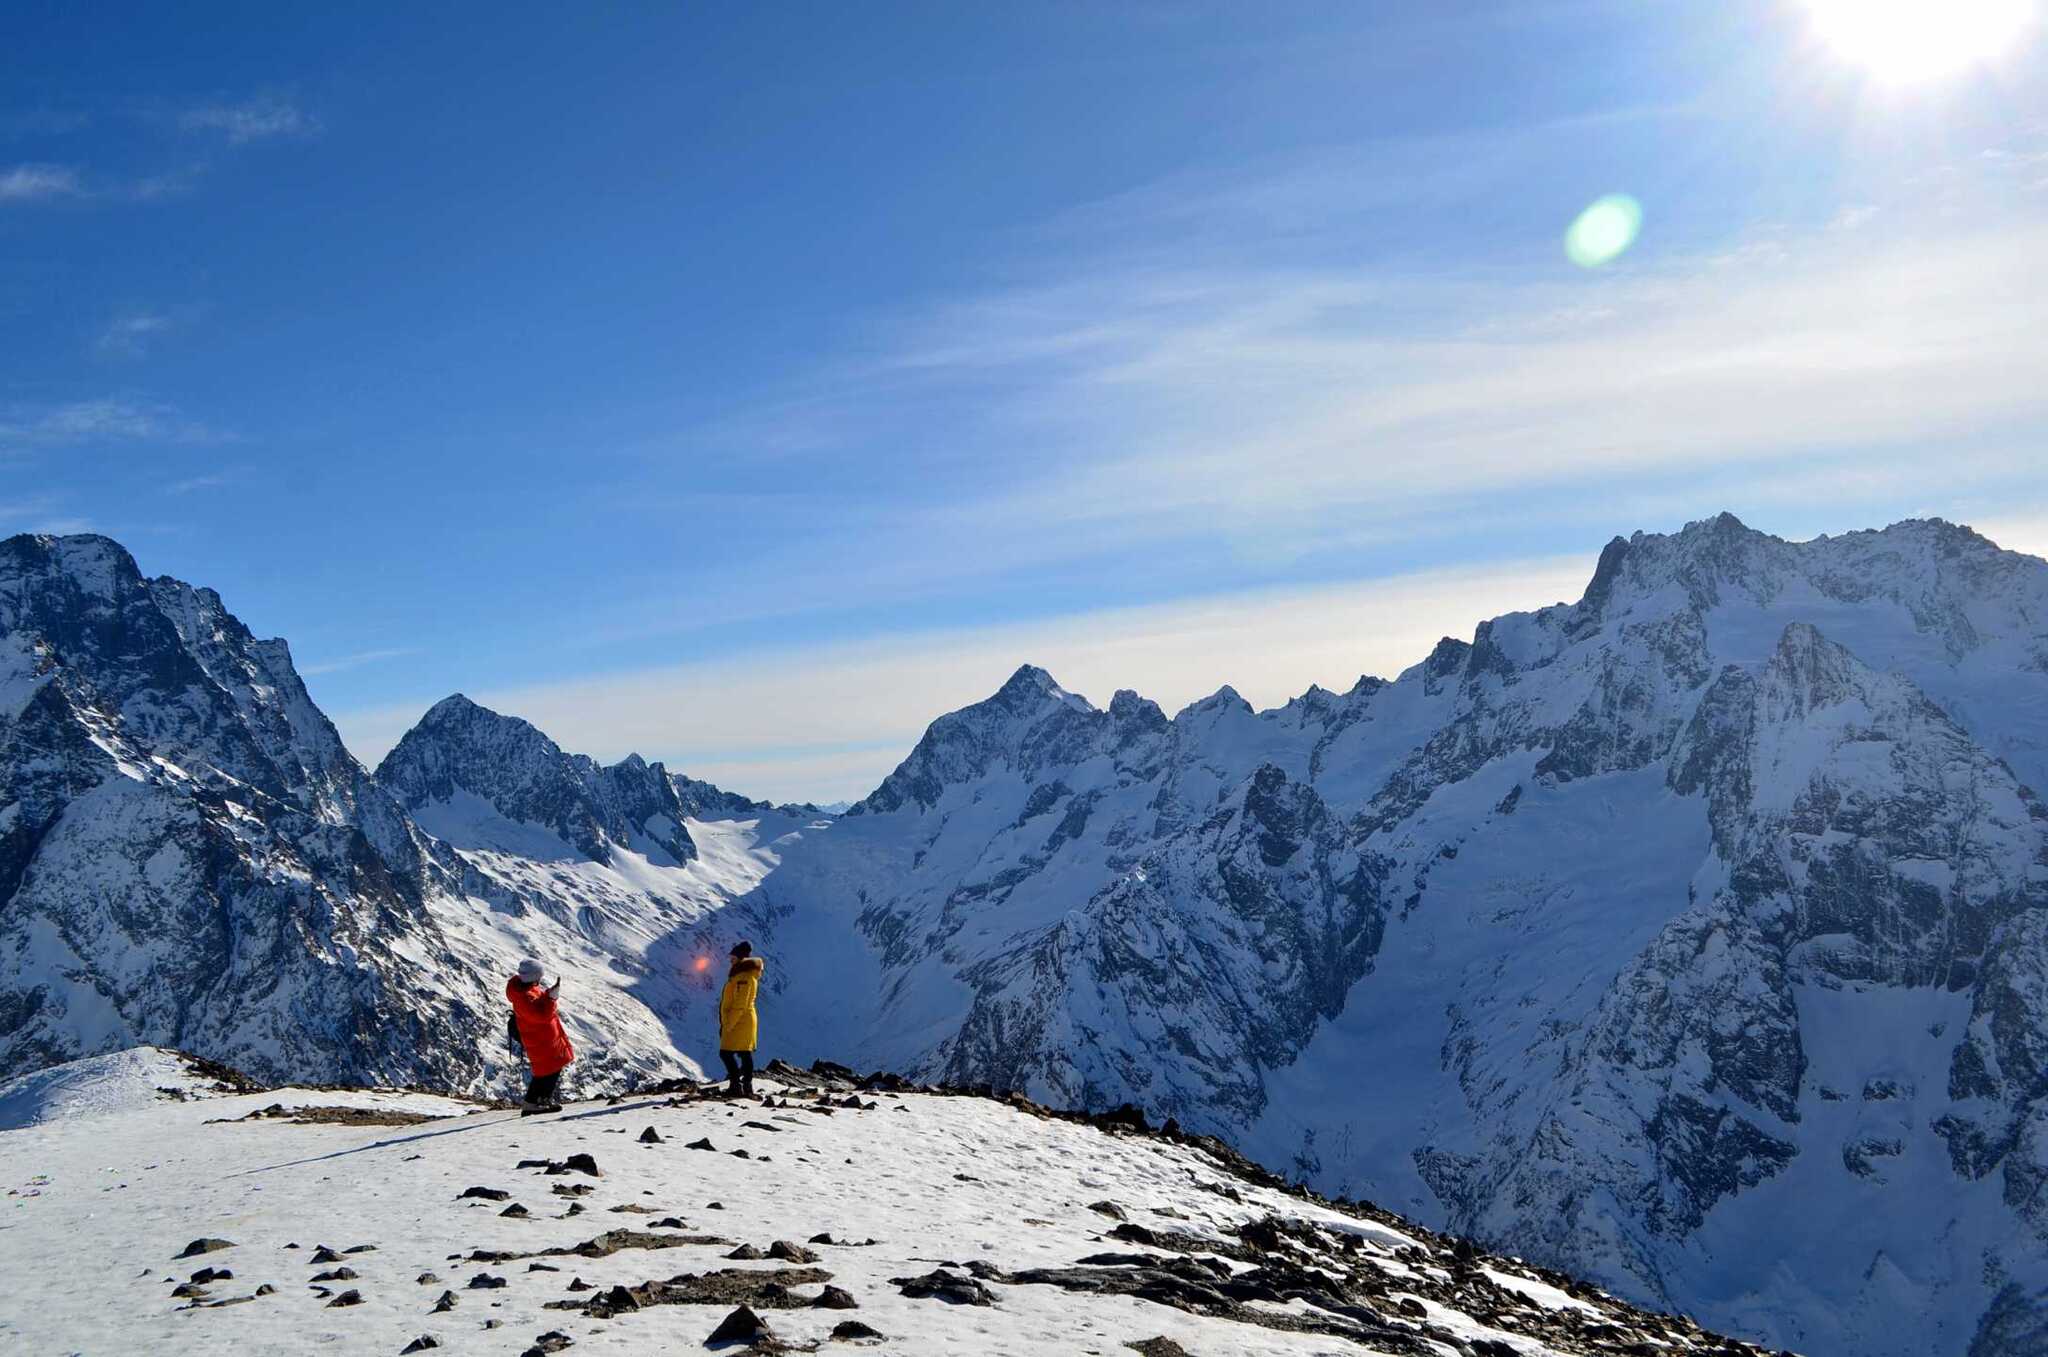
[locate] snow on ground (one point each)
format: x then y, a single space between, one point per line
92 1257
123 1081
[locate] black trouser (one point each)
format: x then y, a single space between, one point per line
541 1088
739 1069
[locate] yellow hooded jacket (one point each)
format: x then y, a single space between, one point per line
738 1028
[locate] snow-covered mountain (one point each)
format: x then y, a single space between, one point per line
189 856
158 1210
1689 937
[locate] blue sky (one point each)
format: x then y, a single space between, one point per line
746 384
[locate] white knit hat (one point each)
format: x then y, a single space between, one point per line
530 971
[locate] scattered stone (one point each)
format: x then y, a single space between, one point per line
340 1274
446 1303
1110 1209
575 1209
361 1248
534 1164
420 1344
650 1136
791 1253
635 1209
199 1246
542 1267
515 1210
349 1297
578 1284
427 1279
825 1238
704 1144
1157 1347
578 1163
484 1281
671 1223
211 1274
712 1206
266 1290
188 1291
746 1253
763 1289
323 1254
741 1326
552 1341
848 1329
489 1194
938 1284
741 1154
835 1298
761 1126
571 1189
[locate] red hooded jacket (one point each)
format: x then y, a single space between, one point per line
540 1028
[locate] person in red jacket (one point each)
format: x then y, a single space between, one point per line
548 1051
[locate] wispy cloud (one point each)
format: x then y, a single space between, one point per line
130 336
38 183
339 663
111 419
1163 381
263 118
764 720
192 485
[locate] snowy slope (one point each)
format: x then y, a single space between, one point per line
1044 1235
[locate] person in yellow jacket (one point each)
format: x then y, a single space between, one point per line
739 1029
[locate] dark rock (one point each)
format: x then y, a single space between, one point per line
1110 1209
420 1344
552 1341
791 1253
349 1297
484 1281
489 1194
713 1206
741 1154
361 1248
650 1136
266 1290
821 1239
578 1163
741 1326
211 1274
938 1284
746 1253
323 1254
515 1210
1157 1347
572 1189
542 1267
188 1291
199 1246
427 1279
578 1284
340 1274
847 1329
446 1303
835 1298
704 1144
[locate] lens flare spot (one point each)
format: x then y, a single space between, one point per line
1604 231
703 964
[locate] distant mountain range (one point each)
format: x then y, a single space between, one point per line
1692 937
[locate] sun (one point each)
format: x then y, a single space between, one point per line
1908 41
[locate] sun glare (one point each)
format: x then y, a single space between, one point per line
1906 41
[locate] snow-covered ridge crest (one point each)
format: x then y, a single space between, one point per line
189 1227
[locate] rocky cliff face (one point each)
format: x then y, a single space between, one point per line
188 855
